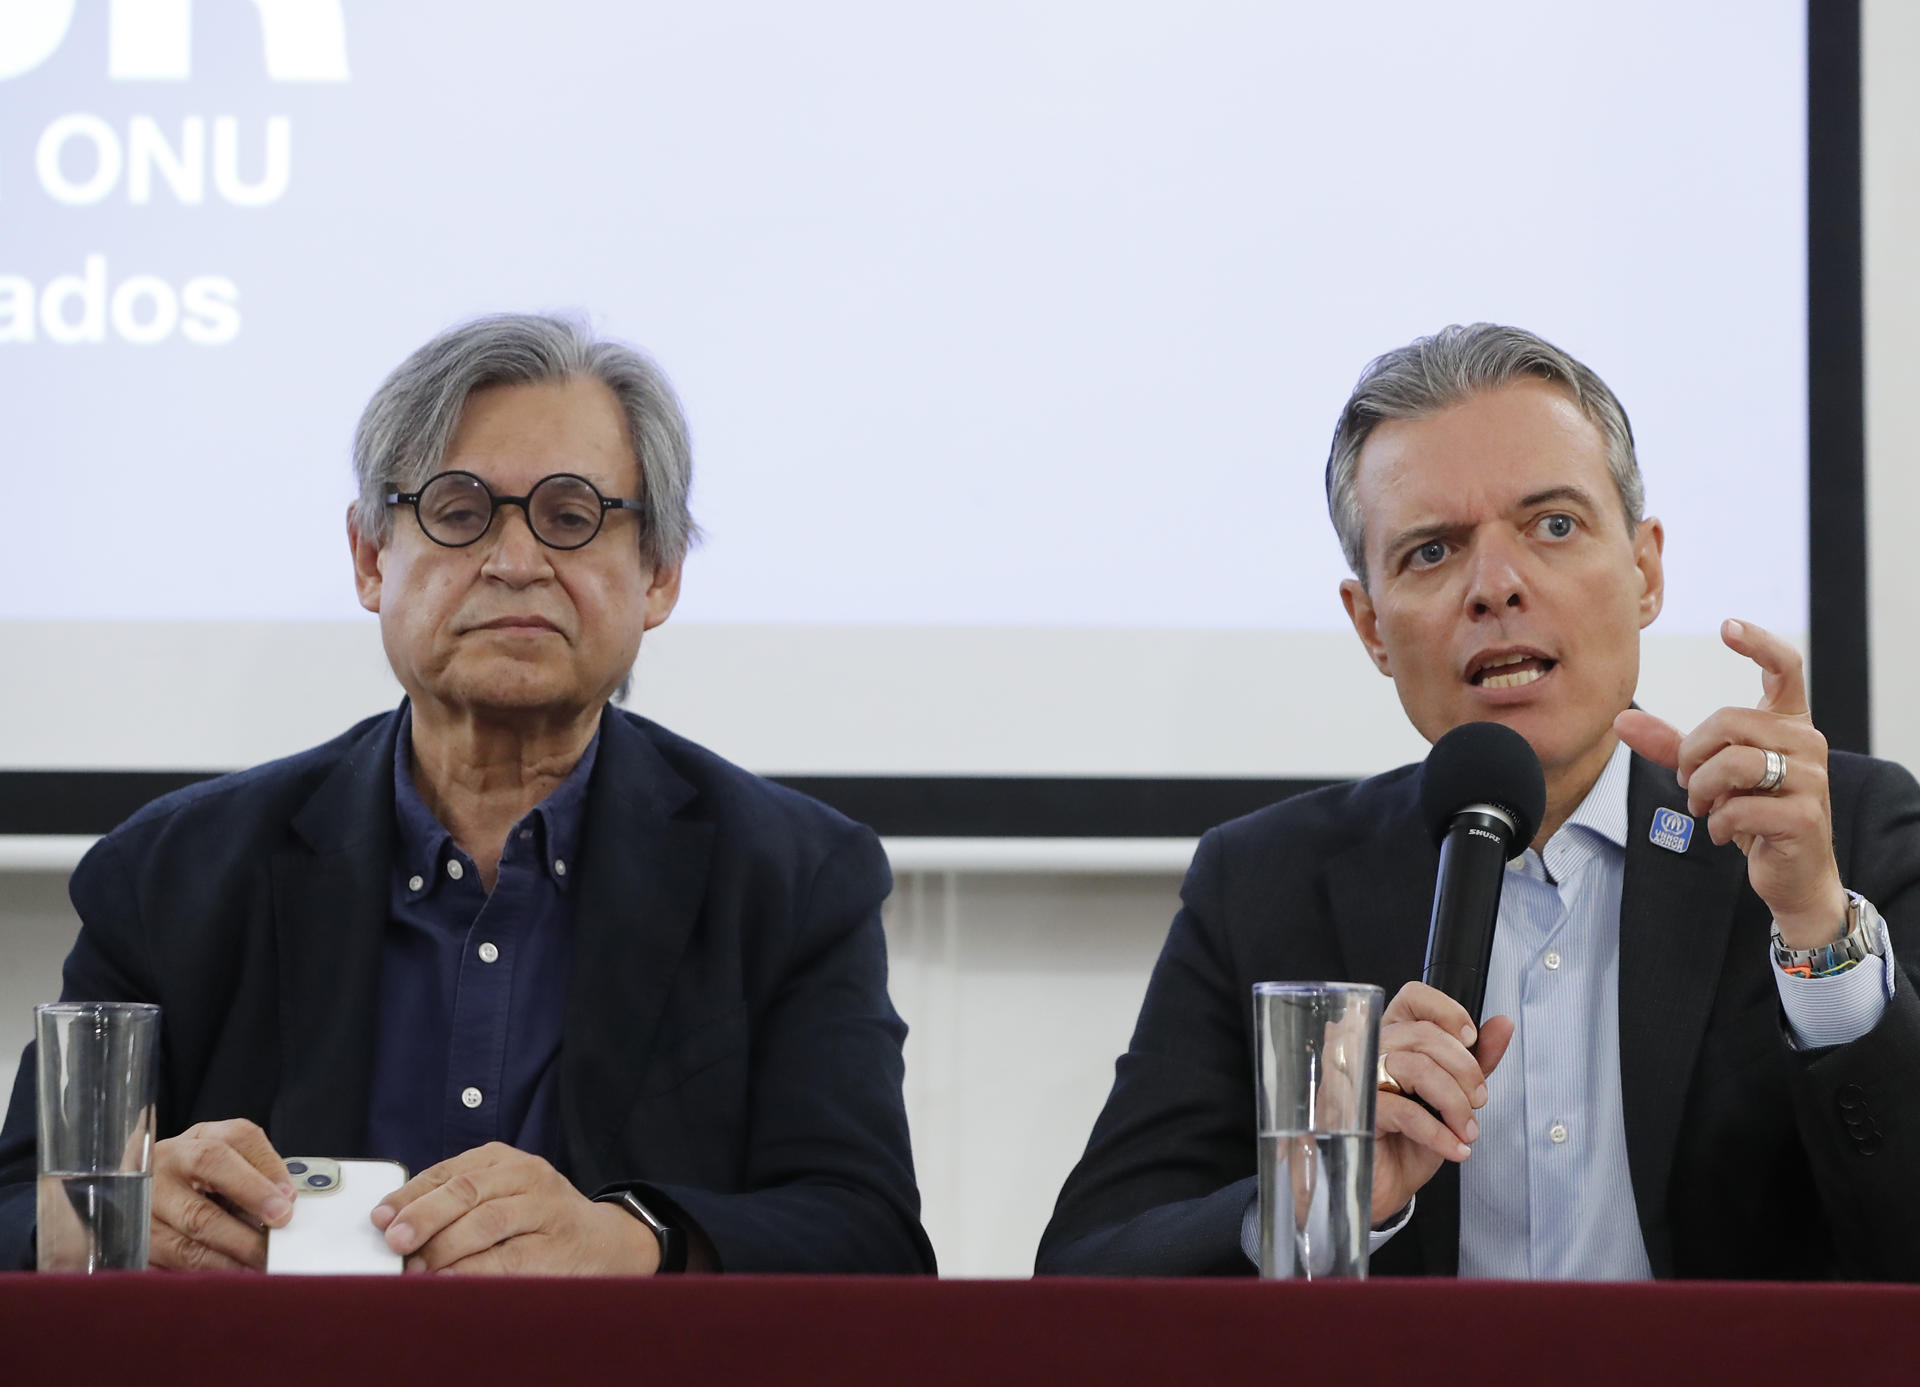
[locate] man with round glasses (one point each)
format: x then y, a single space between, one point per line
563 511
619 1006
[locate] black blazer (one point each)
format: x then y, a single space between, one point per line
1748 1158
729 1048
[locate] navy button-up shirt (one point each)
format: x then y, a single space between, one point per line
473 986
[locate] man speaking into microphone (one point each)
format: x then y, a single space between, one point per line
1697 1050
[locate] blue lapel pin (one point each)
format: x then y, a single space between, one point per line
1672 830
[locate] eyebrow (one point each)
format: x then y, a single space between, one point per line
1420 534
1417 536
1576 494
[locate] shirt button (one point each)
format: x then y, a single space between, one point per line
415 883
559 867
1556 1134
454 869
489 954
470 1096
1552 960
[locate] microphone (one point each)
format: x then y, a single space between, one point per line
1482 795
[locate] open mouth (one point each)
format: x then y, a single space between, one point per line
1511 671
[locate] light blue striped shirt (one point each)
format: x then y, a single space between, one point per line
1547 1192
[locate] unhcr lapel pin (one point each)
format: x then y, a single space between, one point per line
1672 830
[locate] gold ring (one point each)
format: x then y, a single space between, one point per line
1387 1083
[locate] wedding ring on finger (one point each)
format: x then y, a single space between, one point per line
1387 1083
1776 773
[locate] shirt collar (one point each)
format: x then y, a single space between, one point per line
1599 822
1604 810
554 823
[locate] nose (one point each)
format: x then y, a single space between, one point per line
514 556
1496 583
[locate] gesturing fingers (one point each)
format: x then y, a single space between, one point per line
1654 738
1783 683
1743 770
1798 740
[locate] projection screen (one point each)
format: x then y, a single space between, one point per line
1011 336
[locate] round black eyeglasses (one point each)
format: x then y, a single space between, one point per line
563 511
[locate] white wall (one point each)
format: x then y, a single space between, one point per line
1020 989
37 926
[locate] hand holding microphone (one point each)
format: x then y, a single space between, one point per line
1483 796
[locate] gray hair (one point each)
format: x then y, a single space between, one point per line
1430 374
406 427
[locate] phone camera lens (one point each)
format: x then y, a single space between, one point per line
296 1167
319 1182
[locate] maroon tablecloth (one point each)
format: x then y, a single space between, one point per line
783 1332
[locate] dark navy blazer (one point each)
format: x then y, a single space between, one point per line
729 1049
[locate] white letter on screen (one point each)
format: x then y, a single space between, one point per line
226 162
106 153
306 40
30 32
185 169
149 40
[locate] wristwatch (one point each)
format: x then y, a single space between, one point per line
673 1243
1865 938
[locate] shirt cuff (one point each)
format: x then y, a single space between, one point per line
1832 1011
1377 1238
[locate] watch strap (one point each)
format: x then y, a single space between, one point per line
673 1242
1863 938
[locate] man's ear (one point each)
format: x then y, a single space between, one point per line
1649 548
1366 623
663 591
366 564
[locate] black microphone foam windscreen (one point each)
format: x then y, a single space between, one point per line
1483 763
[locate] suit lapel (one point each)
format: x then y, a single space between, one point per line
1382 895
643 876
1381 891
330 901
1676 915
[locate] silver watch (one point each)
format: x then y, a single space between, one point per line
1865 937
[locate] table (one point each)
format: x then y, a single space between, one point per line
791 1331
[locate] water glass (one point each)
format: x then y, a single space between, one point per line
1316 1045
98 1069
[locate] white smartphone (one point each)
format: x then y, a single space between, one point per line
331 1232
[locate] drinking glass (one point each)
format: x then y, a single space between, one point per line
1316 1045
97 1071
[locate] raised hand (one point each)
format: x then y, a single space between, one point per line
1784 825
